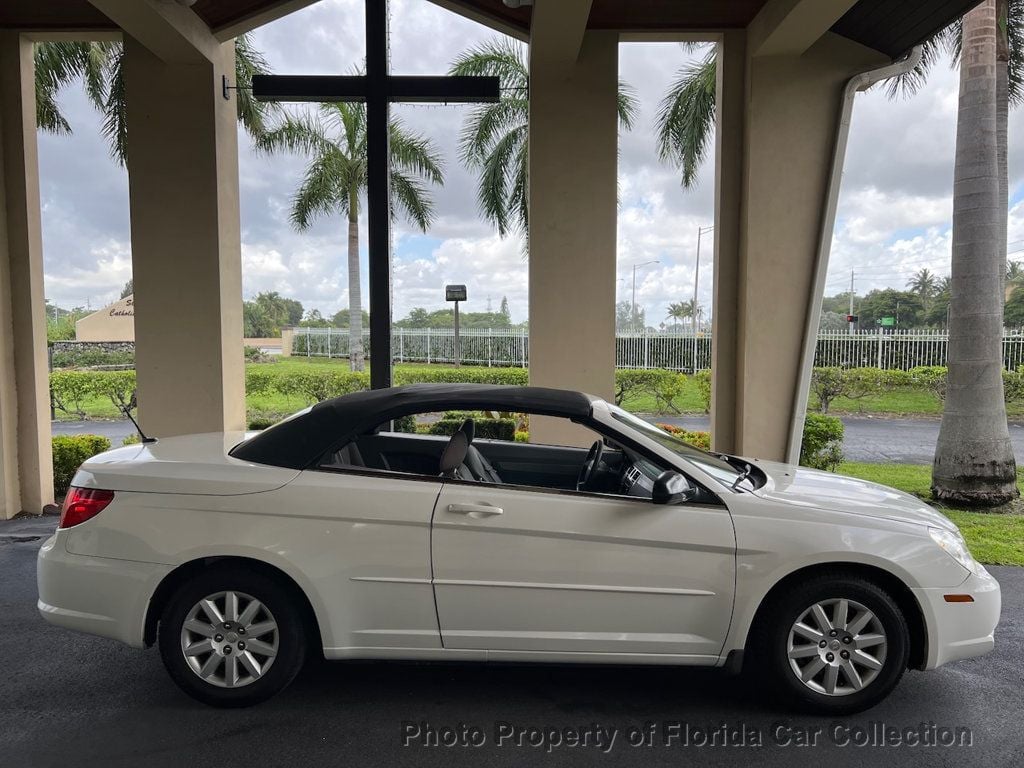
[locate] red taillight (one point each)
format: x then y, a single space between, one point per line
83 503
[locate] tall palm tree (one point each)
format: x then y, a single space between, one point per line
974 462
494 139
100 66
925 285
335 140
681 310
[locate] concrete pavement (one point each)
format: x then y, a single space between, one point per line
77 700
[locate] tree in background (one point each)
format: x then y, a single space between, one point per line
628 317
128 289
681 310
268 313
924 285
340 318
334 137
100 67
494 140
905 307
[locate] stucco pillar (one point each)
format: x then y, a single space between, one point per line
573 166
26 472
186 252
773 155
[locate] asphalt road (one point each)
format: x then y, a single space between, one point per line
76 700
878 440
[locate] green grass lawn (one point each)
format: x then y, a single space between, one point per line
994 537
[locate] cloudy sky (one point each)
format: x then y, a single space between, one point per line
894 213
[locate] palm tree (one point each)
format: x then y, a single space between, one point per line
681 310
494 140
335 139
100 66
974 462
924 284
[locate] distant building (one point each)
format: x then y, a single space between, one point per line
115 322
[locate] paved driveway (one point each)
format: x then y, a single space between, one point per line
74 700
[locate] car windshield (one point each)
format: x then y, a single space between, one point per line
718 468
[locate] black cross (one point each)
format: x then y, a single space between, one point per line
378 88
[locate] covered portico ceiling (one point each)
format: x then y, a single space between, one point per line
889 26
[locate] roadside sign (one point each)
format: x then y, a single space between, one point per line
887 322
455 293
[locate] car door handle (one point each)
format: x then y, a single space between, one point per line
475 510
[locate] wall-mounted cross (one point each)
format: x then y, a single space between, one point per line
378 88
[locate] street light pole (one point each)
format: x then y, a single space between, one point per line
633 304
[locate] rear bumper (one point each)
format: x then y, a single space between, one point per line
97 595
961 630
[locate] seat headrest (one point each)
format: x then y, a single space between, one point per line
455 452
469 427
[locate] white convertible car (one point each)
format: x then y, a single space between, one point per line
238 554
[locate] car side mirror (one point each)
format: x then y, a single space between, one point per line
670 487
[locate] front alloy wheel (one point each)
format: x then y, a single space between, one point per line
837 647
835 644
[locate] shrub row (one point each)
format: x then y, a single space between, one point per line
69 451
71 389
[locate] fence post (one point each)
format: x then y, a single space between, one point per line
522 340
647 355
880 337
328 342
428 345
307 344
401 344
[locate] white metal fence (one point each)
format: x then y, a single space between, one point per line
886 349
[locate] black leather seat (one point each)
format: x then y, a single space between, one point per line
461 460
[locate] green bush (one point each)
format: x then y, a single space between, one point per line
486 427
696 438
827 384
132 439
264 419
318 384
822 446
69 451
704 389
70 388
405 424
116 386
664 386
88 357
931 378
437 374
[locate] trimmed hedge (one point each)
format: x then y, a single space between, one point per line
822 446
69 451
71 388
486 427
664 386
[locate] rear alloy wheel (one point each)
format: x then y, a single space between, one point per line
835 645
231 638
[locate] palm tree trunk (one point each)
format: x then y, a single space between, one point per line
355 299
974 462
1002 119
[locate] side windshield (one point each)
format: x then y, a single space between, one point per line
718 468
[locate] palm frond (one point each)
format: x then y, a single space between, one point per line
500 169
321 192
56 65
1015 36
410 196
487 124
115 109
303 133
932 51
627 104
413 153
504 59
686 118
249 61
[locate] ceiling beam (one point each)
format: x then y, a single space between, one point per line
556 32
790 27
171 31
482 16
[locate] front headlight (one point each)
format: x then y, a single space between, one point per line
954 545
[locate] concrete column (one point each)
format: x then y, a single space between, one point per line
573 167
186 247
774 153
26 472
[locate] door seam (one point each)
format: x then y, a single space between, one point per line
433 586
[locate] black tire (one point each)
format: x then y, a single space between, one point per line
769 648
290 636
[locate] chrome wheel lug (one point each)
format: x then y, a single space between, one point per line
227 625
845 654
219 638
828 656
227 649
847 639
834 633
241 630
822 644
241 647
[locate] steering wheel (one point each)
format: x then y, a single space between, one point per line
590 464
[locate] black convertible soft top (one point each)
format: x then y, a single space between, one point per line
299 441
